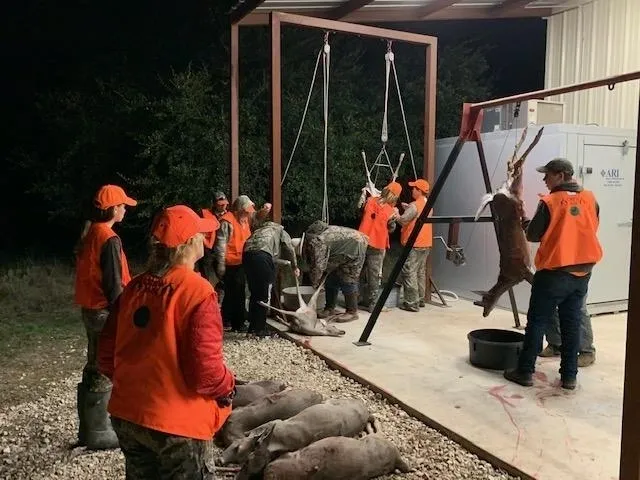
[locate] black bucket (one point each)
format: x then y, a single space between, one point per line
495 349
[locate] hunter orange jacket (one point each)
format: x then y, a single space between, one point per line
374 223
239 234
571 237
149 388
88 282
425 237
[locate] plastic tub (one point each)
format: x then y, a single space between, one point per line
495 349
290 297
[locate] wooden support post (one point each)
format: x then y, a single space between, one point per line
429 139
234 143
276 120
630 443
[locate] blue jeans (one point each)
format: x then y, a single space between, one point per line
333 284
553 289
586 332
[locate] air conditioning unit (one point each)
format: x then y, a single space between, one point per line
536 112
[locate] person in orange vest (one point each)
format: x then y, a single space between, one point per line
162 348
217 210
414 275
566 225
102 271
235 229
378 221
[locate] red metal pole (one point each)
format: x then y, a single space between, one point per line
630 442
234 145
276 120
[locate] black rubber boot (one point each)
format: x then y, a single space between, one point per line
98 433
82 441
351 304
331 297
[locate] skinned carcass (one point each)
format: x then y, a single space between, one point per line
339 458
515 259
305 319
252 391
334 417
277 406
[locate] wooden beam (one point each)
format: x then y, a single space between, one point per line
407 15
429 136
243 9
276 120
234 143
630 443
509 6
433 7
346 8
355 28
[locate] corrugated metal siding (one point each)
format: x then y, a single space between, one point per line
595 40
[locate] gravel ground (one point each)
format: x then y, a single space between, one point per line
35 437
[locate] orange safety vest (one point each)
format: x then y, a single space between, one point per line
571 237
374 223
148 386
210 238
239 234
88 282
425 237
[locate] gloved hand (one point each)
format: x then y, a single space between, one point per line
226 400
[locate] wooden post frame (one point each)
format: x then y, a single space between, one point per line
276 20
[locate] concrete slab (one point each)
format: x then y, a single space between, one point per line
545 431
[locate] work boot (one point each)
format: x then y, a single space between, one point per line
331 296
569 383
97 431
422 304
586 358
410 307
521 378
351 313
550 351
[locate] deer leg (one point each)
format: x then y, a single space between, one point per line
284 312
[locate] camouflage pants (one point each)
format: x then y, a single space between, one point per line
94 321
153 455
371 275
414 275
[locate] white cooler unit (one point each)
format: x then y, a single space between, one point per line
604 162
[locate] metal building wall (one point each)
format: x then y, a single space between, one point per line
596 39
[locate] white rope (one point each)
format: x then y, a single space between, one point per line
325 64
384 135
404 118
304 116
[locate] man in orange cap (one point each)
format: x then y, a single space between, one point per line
378 221
102 272
162 347
413 274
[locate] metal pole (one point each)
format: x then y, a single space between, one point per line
234 170
487 184
435 191
630 443
276 120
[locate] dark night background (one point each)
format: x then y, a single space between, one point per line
49 48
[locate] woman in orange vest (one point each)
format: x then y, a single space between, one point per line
102 272
378 221
566 225
162 348
235 229
414 271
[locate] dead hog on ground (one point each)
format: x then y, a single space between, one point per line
335 417
277 406
252 391
339 458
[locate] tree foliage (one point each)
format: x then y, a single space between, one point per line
164 135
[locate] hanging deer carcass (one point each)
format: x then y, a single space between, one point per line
507 202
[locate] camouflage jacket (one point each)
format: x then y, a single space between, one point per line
326 247
272 238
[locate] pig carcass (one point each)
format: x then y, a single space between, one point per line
345 417
252 391
277 406
305 319
339 458
515 259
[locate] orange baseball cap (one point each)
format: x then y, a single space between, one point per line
175 225
420 184
395 188
112 195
